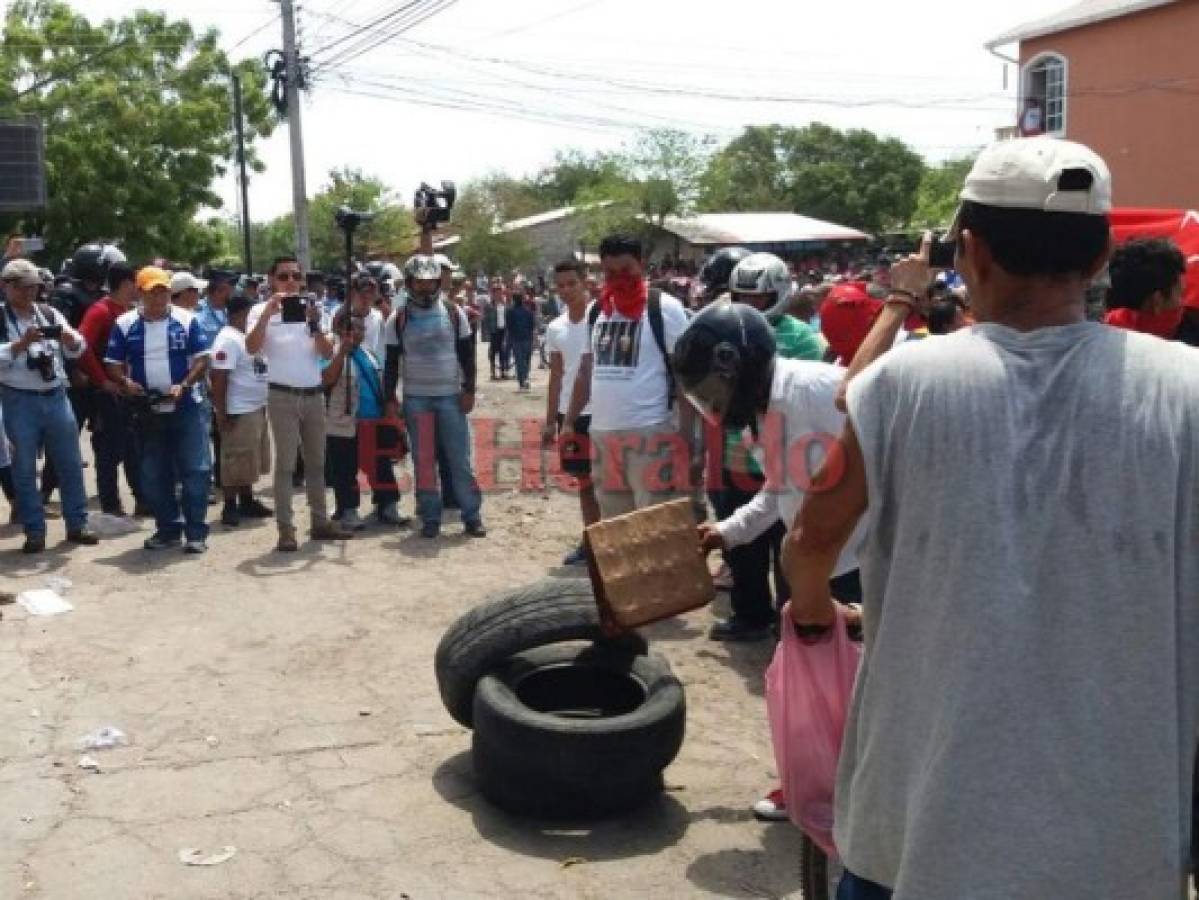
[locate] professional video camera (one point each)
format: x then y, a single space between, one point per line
436 204
348 219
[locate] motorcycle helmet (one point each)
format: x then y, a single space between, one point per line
724 363
90 262
716 271
422 269
763 273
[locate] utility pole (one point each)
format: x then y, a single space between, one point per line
247 256
299 193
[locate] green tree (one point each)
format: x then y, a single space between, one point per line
668 167
391 233
575 171
483 245
851 177
937 197
138 126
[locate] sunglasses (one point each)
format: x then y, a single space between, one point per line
289 276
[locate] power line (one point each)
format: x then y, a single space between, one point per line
362 28
587 4
432 8
274 17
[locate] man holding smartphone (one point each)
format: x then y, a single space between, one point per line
286 330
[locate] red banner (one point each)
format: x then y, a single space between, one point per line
1180 225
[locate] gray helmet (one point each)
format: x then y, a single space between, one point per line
422 268
763 273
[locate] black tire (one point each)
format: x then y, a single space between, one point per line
545 612
614 721
818 875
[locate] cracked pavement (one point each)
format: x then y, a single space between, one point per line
286 706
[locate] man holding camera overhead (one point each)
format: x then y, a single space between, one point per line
286 330
34 340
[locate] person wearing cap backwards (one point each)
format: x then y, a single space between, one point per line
1026 712
185 291
158 353
35 341
239 394
114 440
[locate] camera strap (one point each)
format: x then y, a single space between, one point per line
42 315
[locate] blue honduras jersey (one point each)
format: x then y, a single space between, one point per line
160 353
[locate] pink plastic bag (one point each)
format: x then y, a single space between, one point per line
808 689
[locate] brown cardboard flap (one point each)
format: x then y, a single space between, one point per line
646 566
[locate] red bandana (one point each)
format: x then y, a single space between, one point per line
1163 324
625 294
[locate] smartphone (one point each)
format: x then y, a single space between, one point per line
295 310
51 332
941 253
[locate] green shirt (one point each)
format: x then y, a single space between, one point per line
795 340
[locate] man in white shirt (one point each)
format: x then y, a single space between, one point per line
295 401
643 457
566 340
239 396
34 339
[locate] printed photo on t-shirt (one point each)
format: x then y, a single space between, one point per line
617 346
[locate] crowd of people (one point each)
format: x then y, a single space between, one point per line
1002 492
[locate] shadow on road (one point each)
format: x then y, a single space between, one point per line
772 871
656 826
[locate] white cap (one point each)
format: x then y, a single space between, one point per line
21 271
185 281
1041 173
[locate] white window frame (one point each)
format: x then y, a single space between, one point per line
1025 78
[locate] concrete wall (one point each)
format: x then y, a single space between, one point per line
1149 136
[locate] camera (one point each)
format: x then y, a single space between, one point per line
941 252
42 362
51 332
436 204
348 219
294 309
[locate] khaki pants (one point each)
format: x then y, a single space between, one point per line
298 422
245 450
635 468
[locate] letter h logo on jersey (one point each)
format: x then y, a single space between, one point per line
177 339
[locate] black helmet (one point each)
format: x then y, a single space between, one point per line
724 362
91 261
719 268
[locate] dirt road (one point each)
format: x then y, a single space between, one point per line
286 706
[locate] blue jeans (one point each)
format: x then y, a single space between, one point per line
175 452
522 349
854 888
34 421
434 421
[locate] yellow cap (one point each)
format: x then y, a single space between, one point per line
152 277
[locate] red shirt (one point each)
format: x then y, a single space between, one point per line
95 327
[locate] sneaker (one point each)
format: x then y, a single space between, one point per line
83 536
771 808
476 529
158 541
230 516
351 521
737 630
576 557
34 543
330 531
254 509
389 514
287 540
430 530
195 548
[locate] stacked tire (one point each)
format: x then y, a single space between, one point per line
568 722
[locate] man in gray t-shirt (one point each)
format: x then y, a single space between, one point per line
429 340
1024 723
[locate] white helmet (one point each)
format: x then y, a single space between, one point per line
390 272
422 268
764 273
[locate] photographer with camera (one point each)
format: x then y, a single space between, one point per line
286 329
35 341
159 356
429 339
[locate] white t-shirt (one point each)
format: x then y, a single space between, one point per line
570 339
248 381
290 350
630 385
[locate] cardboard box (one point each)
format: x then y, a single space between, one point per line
646 566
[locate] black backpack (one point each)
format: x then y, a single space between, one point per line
653 309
